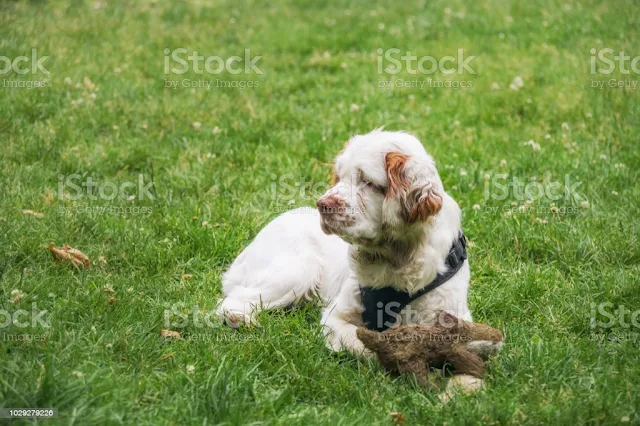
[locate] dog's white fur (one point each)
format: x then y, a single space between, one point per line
386 221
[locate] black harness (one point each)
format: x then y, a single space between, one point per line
382 305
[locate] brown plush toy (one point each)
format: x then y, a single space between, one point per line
414 348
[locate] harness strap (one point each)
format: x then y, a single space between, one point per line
382 305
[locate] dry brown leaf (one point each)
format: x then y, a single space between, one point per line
397 417
78 255
69 254
187 277
32 213
170 334
112 300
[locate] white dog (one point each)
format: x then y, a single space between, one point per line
386 229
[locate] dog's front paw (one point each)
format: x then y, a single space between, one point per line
462 383
344 339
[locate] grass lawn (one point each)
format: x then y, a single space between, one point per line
556 275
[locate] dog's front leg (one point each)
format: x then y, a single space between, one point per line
340 320
340 334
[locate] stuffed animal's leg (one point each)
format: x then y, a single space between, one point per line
466 362
419 367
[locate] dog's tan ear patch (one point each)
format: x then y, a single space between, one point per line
428 204
395 163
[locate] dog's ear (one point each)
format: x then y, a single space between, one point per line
398 182
427 202
420 199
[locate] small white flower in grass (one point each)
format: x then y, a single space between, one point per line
51 295
412 98
343 65
447 11
588 115
116 128
108 346
565 126
528 202
476 207
454 188
456 123
614 193
543 221
191 369
16 295
554 209
67 80
217 130
522 209
532 144
508 213
93 329
547 136
487 176
196 125
503 163
513 204
78 373
585 204
625 419
354 107
519 82
603 157
427 110
619 166
463 172
381 26
495 86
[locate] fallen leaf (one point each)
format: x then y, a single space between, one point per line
170 334
69 254
78 255
32 213
397 417
187 277
112 300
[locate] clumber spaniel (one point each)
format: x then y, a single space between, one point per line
384 247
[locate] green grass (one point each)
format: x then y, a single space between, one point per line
534 274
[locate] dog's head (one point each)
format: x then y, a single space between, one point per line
384 185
